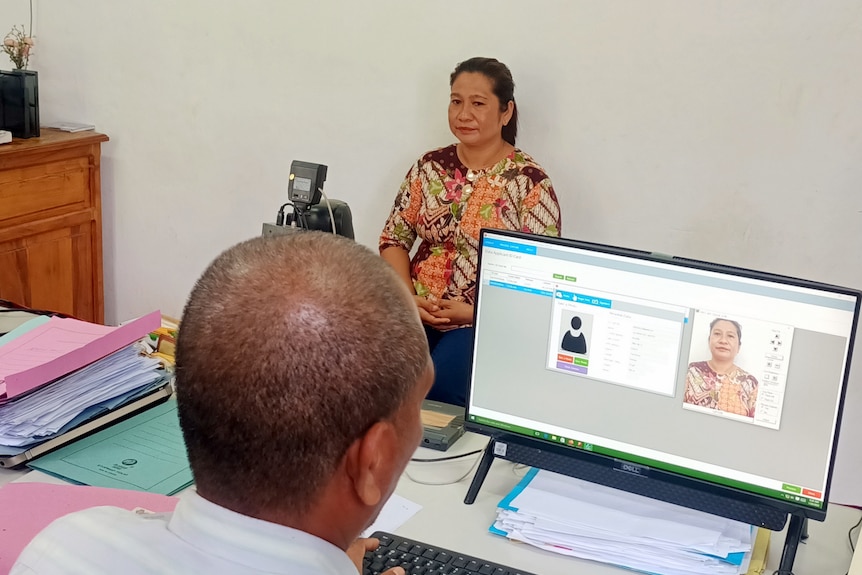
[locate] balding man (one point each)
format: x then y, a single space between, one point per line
301 370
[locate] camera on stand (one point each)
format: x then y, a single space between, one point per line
305 191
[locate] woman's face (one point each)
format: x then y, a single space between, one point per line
724 341
474 111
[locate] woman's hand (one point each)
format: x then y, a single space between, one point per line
457 313
428 311
357 550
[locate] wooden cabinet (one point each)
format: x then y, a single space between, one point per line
51 223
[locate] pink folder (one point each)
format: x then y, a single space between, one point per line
61 346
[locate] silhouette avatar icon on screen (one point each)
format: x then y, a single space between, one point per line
575 343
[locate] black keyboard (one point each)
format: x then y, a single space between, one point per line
419 558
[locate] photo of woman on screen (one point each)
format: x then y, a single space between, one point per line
719 383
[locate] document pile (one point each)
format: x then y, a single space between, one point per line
581 519
56 373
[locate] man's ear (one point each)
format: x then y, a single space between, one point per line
368 462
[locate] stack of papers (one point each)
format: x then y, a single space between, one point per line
102 385
573 517
56 373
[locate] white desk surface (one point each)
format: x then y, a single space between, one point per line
856 565
445 520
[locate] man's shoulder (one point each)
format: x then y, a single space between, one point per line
99 518
80 541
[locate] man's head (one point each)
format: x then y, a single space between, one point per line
295 352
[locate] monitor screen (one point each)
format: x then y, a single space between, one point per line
724 376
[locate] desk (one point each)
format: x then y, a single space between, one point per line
856 565
445 521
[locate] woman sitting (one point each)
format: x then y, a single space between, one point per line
449 194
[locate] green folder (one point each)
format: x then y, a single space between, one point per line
143 453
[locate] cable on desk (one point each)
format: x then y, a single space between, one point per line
849 539
850 531
850 534
446 458
451 458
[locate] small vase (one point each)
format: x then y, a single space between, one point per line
19 103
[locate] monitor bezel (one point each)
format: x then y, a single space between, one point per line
754 500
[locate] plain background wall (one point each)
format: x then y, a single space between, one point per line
728 131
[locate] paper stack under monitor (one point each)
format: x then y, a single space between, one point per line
581 519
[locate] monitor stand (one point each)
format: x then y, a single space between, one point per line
751 513
796 532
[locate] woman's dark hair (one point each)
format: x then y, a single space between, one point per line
735 324
503 87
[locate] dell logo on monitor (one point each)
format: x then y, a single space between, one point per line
632 468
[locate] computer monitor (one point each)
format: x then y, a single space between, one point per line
712 387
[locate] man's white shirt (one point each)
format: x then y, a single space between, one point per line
198 537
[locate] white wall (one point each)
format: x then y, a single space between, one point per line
728 131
